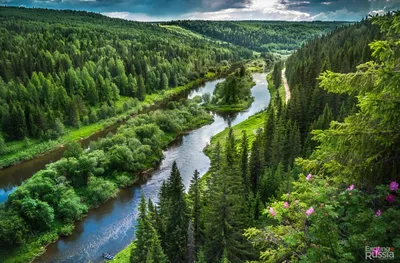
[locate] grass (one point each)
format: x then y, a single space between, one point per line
251 125
230 107
182 31
124 255
17 151
36 246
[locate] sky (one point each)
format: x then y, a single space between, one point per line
158 10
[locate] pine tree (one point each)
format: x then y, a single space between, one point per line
177 218
164 82
256 162
226 214
141 93
191 246
147 245
268 134
245 160
195 205
16 127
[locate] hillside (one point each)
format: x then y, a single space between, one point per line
62 71
262 36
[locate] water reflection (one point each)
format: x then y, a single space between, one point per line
111 227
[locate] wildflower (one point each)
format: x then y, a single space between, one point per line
309 177
376 251
272 212
378 213
351 187
394 186
310 211
390 198
286 205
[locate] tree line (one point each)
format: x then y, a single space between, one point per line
282 198
69 68
262 36
65 190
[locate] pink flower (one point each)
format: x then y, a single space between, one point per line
309 177
378 213
376 251
286 205
394 186
272 212
351 187
390 198
310 211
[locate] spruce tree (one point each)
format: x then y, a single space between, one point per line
268 134
245 160
176 218
141 92
256 162
226 214
195 208
147 244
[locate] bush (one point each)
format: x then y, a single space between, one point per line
99 190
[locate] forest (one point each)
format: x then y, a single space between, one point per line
48 204
61 70
314 178
267 37
319 181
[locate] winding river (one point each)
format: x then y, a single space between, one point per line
110 227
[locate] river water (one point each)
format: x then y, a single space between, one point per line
110 227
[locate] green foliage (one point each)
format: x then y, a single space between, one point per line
347 204
263 36
84 62
74 149
234 94
225 215
175 216
147 246
62 193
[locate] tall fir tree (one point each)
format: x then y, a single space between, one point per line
256 162
176 218
196 208
147 246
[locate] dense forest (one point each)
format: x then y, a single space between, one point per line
317 181
262 36
292 198
48 204
69 68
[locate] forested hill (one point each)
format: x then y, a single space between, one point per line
262 36
292 200
71 68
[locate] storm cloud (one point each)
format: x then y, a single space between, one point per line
147 10
149 7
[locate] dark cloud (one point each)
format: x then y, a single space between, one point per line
150 7
315 7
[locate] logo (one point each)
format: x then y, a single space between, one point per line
381 253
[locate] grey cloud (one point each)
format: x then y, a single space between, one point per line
151 7
353 6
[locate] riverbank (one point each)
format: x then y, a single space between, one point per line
234 94
21 151
106 187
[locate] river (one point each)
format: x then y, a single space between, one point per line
110 227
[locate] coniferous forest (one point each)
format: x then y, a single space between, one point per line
312 177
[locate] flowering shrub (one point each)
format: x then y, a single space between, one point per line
321 221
